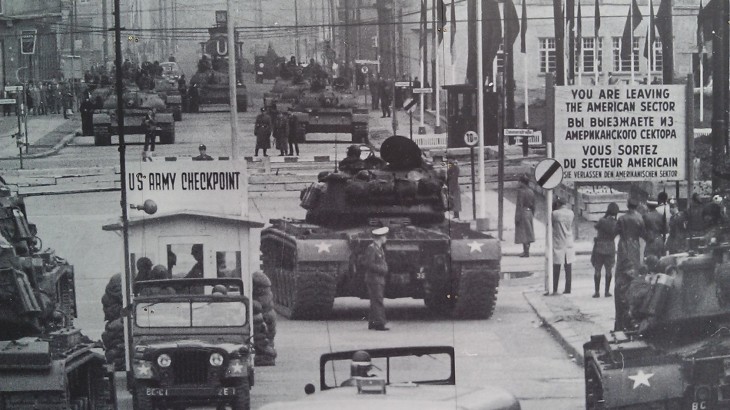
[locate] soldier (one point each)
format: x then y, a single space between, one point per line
203 156
293 134
262 130
150 127
563 251
376 269
144 268
360 367
677 239
524 214
385 97
655 231
374 85
281 131
630 227
352 164
604 249
452 183
87 116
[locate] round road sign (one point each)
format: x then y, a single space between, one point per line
548 173
471 138
364 69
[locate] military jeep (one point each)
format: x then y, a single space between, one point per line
191 344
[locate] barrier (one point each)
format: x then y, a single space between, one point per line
431 141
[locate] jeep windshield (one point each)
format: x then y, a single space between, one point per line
191 314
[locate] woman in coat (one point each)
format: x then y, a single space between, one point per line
563 251
604 249
524 214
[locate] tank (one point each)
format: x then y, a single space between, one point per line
310 262
209 84
137 104
168 91
45 362
331 109
676 353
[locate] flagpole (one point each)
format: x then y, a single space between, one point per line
595 59
650 39
436 88
424 39
527 99
631 45
702 88
480 112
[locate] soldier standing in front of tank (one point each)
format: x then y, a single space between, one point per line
150 127
524 214
376 269
281 131
262 130
629 227
293 135
604 249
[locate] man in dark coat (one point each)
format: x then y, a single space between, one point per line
524 213
280 121
655 231
630 227
376 269
293 137
385 97
604 249
262 130
87 116
374 85
452 183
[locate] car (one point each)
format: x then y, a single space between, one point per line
171 70
416 377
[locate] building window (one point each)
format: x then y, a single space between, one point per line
657 59
620 64
547 55
592 55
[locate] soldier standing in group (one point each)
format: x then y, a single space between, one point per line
524 213
655 231
630 227
293 134
374 85
376 269
385 97
604 249
281 131
677 239
262 130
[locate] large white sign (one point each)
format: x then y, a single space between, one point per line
218 186
621 133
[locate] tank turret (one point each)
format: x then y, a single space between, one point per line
400 184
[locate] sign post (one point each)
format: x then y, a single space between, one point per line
471 138
548 174
409 105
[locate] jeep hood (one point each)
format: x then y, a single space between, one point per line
423 397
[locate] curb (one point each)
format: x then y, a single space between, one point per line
64 141
560 330
541 253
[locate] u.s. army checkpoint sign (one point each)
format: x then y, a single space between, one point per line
621 133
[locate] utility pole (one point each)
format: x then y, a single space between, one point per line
296 29
73 56
720 70
105 36
432 97
347 38
232 78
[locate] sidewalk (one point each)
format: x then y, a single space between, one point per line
46 135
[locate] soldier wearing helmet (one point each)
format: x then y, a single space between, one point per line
376 269
352 164
359 367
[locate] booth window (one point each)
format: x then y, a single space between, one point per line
228 264
186 260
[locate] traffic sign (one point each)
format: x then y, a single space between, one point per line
471 138
548 173
428 90
517 132
402 83
13 88
364 69
410 104
367 62
7 101
27 41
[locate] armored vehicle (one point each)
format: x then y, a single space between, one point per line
209 84
45 362
166 88
191 344
418 377
137 103
676 352
310 262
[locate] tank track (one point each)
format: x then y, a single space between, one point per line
478 287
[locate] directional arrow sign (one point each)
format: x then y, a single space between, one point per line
548 173
6 101
410 104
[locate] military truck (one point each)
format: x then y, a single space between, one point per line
675 354
310 262
209 84
137 103
45 361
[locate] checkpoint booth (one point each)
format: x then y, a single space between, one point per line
462 114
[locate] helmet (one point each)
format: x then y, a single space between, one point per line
717 199
353 151
360 364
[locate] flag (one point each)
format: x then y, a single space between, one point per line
511 23
578 33
569 12
633 19
649 45
663 24
523 28
492 34
441 16
423 26
596 21
453 29
700 36
708 18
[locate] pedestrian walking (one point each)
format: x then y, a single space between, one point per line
293 135
654 231
262 130
524 214
374 85
604 249
452 183
678 233
563 251
629 228
375 267
281 131
150 128
385 98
